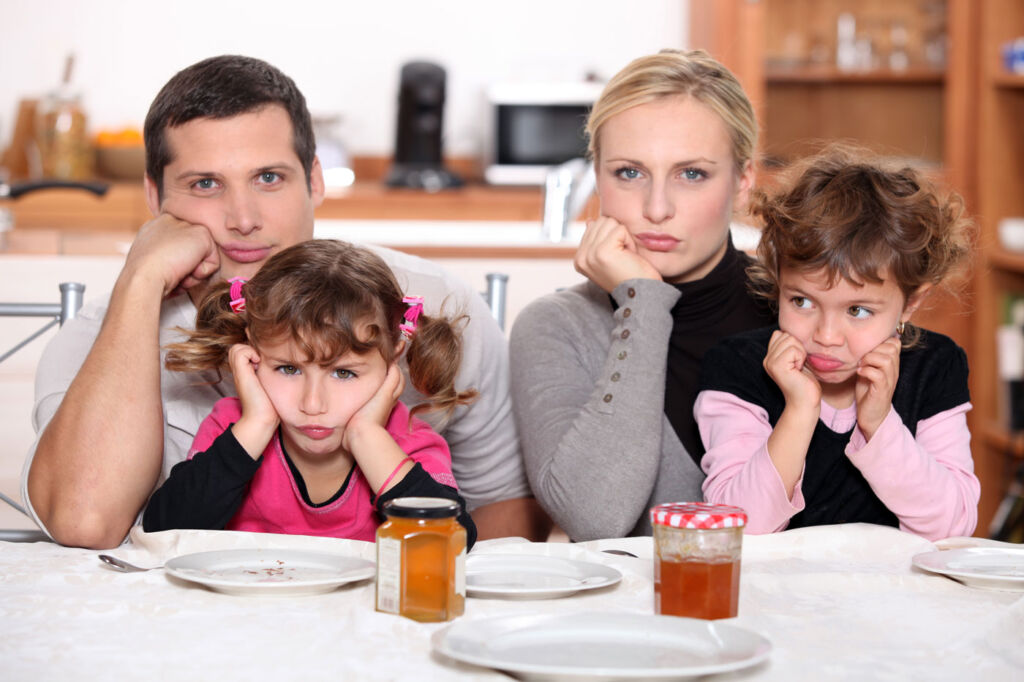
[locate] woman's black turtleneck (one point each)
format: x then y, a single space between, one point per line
709 309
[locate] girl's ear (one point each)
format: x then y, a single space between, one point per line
915 301
400 347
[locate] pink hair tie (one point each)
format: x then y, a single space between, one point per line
415 304
237 300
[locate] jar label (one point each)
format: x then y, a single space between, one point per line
389 575
460 573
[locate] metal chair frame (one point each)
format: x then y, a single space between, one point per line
497 287
71 296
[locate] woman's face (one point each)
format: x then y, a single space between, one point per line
665 170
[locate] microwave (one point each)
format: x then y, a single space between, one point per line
533 126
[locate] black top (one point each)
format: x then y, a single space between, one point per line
206 491
709 310
933 379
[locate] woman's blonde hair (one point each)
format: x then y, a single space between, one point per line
672 73
330 298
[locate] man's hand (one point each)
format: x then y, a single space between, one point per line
608 256
174 253
876 381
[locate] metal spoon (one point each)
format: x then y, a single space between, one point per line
122 565
620 552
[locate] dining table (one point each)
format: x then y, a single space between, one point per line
843 602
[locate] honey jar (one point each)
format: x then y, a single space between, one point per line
697 549
421 559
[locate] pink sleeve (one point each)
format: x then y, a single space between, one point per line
422 444
224 413
928 482
739 471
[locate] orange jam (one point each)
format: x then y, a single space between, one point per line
421 559
697 547
697 589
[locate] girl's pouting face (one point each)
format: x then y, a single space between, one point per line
839 325
316 402
666 171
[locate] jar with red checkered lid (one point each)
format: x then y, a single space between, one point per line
697 548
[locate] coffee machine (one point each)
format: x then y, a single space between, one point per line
417 162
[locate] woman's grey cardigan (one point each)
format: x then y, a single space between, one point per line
588 390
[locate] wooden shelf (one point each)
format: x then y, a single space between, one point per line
1009 81
999 438
830 75
1009 261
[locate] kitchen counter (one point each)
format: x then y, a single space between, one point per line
124 206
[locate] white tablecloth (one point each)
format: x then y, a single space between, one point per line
838 602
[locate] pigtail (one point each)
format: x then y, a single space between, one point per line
434 357
218 328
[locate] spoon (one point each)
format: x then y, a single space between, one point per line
620 552
122 565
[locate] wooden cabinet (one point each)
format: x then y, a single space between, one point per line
1000 194
953 106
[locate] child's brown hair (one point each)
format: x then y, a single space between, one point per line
322 293
859 216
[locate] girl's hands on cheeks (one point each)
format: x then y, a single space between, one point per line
784 363
374 414
608 256
876 380
259 419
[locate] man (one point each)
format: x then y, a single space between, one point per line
232 178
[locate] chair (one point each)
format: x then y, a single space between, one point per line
71 295
497 286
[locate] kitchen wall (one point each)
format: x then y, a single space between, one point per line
345 56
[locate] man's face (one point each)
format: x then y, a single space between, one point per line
241 179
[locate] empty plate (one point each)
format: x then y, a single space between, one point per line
601 646
524 576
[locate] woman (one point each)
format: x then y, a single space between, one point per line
604 375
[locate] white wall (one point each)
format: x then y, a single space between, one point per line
345 56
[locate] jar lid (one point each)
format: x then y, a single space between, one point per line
421 507
698 515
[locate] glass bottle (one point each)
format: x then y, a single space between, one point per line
421 559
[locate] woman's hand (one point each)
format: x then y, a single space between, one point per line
784 363
608 256
876 381
374 414
259 419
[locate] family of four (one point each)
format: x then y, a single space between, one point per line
244 376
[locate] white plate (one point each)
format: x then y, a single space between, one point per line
270 571
995 568
524 576
600 646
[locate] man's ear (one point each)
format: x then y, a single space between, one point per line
316 182
152 195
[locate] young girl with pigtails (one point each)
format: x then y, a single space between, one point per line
316 440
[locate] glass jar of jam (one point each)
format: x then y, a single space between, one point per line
421 559
697 549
